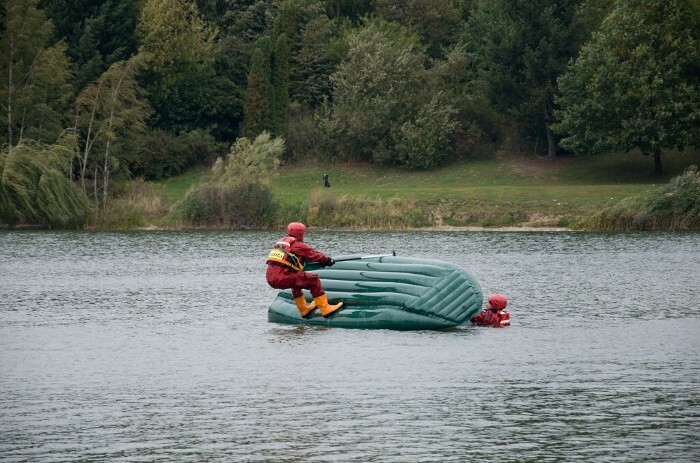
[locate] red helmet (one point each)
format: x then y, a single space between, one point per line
297 230
498 301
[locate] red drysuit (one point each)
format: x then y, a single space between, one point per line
492 317
287 272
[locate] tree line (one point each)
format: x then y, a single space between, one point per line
148 88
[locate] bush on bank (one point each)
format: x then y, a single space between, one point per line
222 205
238 194
675 206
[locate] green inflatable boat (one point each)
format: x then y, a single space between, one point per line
388 292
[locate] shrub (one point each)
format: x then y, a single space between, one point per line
675 206
224 205
239 195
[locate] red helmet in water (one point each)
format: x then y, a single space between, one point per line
498 301
297 230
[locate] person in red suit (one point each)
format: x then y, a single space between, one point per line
494 315
285 270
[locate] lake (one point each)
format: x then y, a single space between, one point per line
155 346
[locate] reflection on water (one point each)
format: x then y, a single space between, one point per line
156 347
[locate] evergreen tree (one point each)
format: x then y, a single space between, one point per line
435 21
258 102
309 33
351 9
280 84
523 46
241 23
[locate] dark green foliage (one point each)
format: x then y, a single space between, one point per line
350 9
160 155
280 84
240 25
258 103
636 84
35 190
300 66
310 34
193 97
387 106
98 33
675 206
522 46
437 22
188 88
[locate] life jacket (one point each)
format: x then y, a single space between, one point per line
503 318
281 254
493 318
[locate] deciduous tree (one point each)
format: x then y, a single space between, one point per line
181 78
636 85
437 22
35 88
110 115
382 93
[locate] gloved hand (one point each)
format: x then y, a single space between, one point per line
330 262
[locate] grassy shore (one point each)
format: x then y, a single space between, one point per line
501 191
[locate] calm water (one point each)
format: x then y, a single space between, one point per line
155 346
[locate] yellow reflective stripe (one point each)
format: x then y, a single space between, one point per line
291 261
276 254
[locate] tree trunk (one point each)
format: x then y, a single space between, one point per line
10 89
105 177
658 170
97 200
88 146
551 140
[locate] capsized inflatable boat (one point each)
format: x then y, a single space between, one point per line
388 292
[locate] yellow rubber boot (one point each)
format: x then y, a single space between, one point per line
326 308
304 309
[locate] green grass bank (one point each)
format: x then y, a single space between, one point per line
502 191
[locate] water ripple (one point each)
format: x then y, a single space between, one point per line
156 347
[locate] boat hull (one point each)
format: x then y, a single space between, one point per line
389 292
